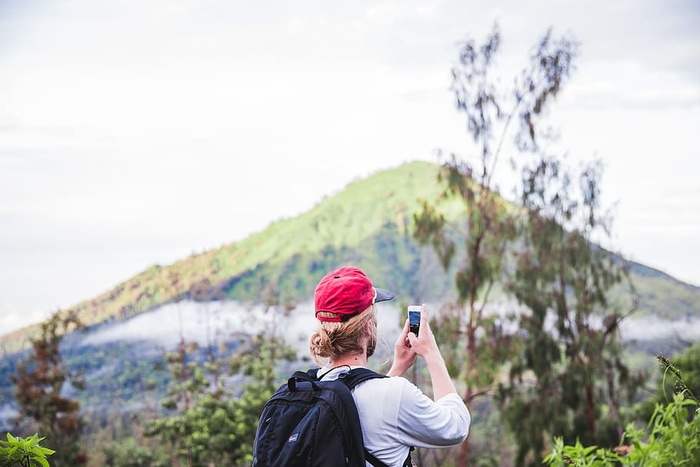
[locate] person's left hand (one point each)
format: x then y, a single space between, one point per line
404 355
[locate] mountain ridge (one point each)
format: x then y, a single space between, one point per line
368 223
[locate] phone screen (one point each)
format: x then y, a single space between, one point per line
414 319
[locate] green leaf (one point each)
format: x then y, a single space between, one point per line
45 451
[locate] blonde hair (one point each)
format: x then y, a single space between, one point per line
330 341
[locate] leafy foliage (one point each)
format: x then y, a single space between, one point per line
128 452
24 452
672 437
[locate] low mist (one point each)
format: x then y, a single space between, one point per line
213 322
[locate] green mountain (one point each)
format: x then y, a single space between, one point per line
368 224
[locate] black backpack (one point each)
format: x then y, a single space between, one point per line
313 423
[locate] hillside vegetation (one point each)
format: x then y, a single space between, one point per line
369 224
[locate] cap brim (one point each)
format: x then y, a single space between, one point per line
383 295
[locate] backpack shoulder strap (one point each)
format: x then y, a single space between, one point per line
352 379
302 377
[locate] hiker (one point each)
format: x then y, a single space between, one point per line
394 414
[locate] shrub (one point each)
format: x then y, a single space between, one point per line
673 436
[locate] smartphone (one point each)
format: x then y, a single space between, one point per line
414 319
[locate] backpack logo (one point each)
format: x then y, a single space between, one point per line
293 438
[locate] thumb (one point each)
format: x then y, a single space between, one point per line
412 338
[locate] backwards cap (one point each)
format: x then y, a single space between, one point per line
346 292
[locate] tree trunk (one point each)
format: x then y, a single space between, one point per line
469 393
590 412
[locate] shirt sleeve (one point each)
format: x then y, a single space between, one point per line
423 422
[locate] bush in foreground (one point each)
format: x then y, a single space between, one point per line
673 436
24 452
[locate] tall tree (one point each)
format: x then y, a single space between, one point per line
40 384
569 377
480 246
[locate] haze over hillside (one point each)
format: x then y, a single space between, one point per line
210 322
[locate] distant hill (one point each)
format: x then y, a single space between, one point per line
368 224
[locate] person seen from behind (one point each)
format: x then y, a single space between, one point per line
394 414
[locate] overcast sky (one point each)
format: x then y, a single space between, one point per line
137 132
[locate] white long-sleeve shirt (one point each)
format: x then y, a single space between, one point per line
396 415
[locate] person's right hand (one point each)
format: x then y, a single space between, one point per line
424 344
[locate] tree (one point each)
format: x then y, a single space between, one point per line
40 382
482 242
187 385
569 378
213 426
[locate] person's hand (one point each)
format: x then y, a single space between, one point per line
404 355
424 344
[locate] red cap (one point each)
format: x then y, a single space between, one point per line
346 292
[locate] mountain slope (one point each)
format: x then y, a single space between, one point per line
369 224
337 228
